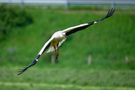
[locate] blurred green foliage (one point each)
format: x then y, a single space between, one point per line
12 17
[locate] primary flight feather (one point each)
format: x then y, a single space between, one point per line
59 37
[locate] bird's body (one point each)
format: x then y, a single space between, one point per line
59 37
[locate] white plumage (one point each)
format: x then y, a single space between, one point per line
59 37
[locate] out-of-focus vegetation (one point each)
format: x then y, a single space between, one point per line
102 55
12 17
55 78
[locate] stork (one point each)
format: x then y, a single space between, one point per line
56 40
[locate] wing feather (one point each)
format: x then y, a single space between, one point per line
46 45
74 29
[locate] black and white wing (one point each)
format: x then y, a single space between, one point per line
109 14
44 48
74 29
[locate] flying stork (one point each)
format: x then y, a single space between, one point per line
59 37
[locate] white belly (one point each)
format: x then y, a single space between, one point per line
58 35
58 38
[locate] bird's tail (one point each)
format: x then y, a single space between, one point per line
30 65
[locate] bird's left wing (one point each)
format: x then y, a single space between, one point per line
74 29
44 48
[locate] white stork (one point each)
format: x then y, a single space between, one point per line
59 37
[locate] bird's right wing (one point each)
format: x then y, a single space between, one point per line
109 14
44 48
74 29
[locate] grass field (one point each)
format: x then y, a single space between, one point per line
110 44
66 79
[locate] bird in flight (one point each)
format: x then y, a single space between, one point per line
56 40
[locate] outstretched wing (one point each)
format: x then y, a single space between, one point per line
44 48
109 14
74 29
31 64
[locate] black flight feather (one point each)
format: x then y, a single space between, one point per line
109 14
81 27
34 61
30 65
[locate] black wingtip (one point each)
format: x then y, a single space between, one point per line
25 68
110 12
22 70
